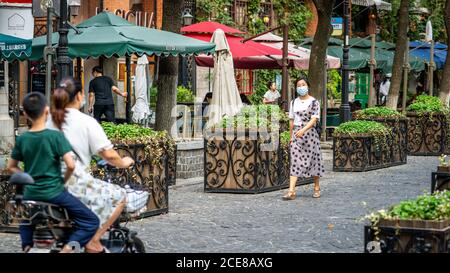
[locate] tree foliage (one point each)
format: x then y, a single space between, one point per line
388 20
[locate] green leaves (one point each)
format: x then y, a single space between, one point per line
255 117
184 94
425 207
128 132
361 127
157 143
427 104
377 112
434 207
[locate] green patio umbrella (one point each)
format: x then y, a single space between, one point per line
359 54
109 35
11 47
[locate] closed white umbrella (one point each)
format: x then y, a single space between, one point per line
226 100
429 31
140 110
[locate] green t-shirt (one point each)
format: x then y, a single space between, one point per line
41 153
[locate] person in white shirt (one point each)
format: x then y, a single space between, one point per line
384 88
87 138
272 95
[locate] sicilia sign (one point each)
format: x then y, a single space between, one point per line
140 18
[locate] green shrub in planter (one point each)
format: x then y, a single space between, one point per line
427 104
397 122
425 207
428 127
254 117
420 225
361 127
154 153
156 142
378 112
361 146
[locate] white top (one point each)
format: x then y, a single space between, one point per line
84 133
302 105
272 96
384 88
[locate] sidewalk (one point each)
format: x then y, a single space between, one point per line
209 222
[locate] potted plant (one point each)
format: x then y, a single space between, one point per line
394 120
152 152
243 153
427 126
444 164
361 146
418 225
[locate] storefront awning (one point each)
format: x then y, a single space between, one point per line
382 5
11 47
109 35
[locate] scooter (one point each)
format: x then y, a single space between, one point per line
53 224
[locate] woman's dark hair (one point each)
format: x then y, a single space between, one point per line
302 79
269 84
62 96
34 105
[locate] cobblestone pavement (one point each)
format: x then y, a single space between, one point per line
201 222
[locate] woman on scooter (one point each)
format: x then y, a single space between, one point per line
88 138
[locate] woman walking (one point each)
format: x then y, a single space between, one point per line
306 157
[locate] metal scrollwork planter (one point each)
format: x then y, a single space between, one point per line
172 167
427 134
361 153
6 194
399 147
148 174
408 236
236 162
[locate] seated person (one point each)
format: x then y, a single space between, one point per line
272 95
41 150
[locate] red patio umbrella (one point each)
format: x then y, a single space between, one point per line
210 27
248 55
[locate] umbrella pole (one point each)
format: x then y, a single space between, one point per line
285 75
128 100
431 69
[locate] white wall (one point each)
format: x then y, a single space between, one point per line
17 21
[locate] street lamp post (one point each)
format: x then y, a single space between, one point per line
344 111
187 20
63 59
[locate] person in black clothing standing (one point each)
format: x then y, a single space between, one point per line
101 88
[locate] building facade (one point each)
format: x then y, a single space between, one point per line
25 77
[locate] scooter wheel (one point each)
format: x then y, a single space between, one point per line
137 246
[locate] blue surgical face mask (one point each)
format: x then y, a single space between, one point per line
302 90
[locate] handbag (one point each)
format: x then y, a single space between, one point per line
318 125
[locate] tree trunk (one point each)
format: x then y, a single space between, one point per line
400 48
445 84
168 70
318 57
